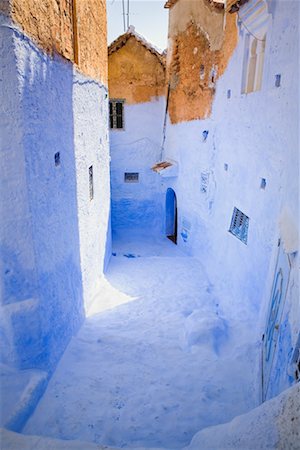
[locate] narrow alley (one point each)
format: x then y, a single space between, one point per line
149 221
162 364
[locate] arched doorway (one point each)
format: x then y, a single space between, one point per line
171 215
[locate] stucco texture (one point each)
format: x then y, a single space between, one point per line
199 51
55 25
135 74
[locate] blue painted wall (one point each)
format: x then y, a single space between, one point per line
136 149
250 137
51 266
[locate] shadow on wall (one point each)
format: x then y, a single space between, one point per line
43 139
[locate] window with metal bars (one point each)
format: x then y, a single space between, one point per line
116 114
239 225
131 177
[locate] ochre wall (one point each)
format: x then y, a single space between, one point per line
135 74
197 41
50 24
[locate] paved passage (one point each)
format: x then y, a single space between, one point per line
159 357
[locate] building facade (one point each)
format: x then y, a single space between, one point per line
136 79
55 188
232 72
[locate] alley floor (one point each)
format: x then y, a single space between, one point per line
159 357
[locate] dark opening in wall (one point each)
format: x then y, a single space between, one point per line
116 114
226 167
91 182
205 135
229 93
278 80
239 225
57 158
131 177
263 183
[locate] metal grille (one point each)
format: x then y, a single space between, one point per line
116 119
131 177
239 225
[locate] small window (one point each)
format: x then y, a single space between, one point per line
239 225
57 159
263 183
91 182
116 114
131 177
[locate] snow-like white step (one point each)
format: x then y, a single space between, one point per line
20 391
16 441
273 425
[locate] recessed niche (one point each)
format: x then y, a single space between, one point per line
204 135
263 183
57 158
278 80
229 93
226 167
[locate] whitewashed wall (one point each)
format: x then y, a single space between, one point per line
256 136
55 242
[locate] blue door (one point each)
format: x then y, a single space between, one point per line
171 215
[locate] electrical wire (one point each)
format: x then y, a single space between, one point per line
123 8
128 14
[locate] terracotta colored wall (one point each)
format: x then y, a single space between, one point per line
50 24
198 53
135 74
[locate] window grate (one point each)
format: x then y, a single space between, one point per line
239 225
131 177
116 114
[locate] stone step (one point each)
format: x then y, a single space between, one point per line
20 392
16 441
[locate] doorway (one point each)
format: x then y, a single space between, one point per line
171 215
